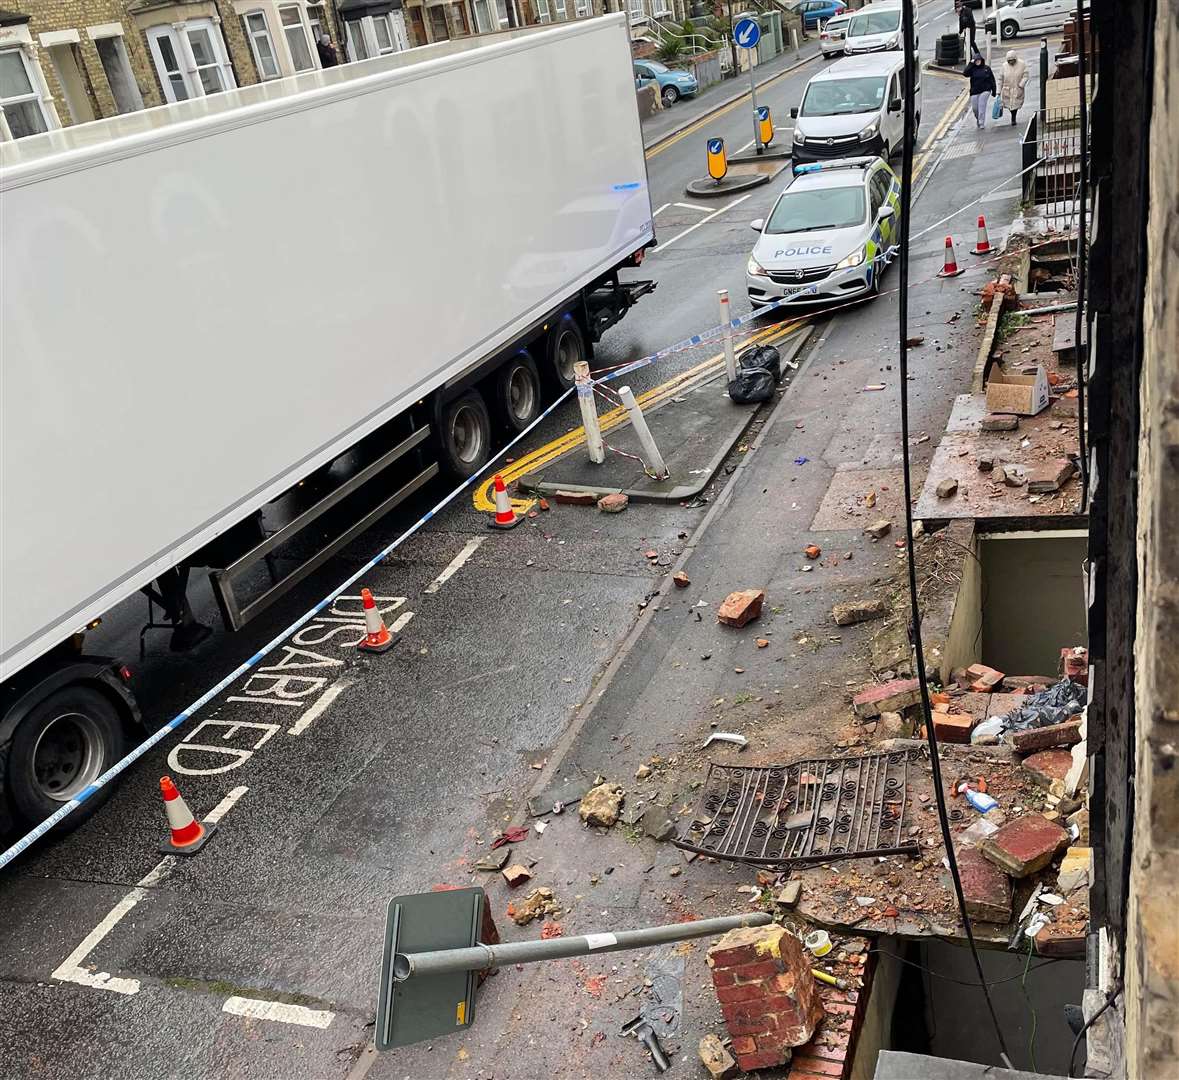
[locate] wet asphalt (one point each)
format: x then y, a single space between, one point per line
424 748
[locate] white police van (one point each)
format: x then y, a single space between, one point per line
829 236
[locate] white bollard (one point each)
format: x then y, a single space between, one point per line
650 450
794 38
589 412
726 320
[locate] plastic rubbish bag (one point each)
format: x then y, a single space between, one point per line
761 356
1056 705
751 386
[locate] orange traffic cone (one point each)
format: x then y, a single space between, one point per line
983 246
376 634
950 268
188 834
505 517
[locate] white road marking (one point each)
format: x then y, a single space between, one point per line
661 209
695 206
279 1011
456 564
400 622
702 221
320 707
71 969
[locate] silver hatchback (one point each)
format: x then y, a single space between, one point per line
832 33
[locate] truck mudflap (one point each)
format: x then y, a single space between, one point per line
609 302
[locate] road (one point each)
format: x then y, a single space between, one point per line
340 779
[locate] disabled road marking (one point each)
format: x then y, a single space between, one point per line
455 564
71 969
320 707
280 1011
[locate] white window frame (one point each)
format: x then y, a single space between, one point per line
543 11
560 11
391 27
501 11
581 8
177 35
299 27
315 16
354 31
637 10
252 36
114 32
39 94
483 20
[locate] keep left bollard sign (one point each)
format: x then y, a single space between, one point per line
718 163
427 1006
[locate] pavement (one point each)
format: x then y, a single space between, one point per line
556 650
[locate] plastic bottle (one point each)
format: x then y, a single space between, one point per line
980 800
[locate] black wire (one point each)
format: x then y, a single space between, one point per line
1080 351
966 982
923 680
1109 1000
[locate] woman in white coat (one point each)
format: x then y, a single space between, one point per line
1013 77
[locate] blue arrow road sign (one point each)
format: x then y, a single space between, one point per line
714 146
746 33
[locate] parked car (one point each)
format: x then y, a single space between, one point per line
876 28
673 85
829 236
1031 17
854 107
813 12
831 34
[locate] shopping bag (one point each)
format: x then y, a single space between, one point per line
997 109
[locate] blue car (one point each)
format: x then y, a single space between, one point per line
814 12
673 85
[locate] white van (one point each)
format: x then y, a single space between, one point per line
1031 17
877 27
855 107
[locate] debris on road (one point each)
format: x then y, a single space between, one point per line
516 875
575 498
812 551
600 805
1025 845
494 862
642 772
537 904
858 611
789 895
680 580
947 488
721 1065
514 835
657 822
762 643
893 696
999 422
614 503
727 737
739 608
879 529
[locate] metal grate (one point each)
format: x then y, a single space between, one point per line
810 811
793 277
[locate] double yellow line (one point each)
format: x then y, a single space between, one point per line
948 117
483 498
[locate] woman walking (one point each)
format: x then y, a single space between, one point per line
1013 77
982 85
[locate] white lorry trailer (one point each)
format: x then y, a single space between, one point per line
237 330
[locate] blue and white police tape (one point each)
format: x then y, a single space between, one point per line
68 808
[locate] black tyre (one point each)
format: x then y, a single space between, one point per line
61 747
670 96
465 434
1008 29
518 394
564 348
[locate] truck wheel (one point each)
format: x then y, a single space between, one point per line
64 744
566 346
517 391
1008 29
466 434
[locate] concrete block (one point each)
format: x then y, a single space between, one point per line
999 422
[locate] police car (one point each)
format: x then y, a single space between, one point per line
829 236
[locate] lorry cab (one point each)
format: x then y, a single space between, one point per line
855 107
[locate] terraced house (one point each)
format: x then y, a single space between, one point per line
71 61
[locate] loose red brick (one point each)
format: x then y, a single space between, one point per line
1048 768
743 1044
1025 845
817 1066
987 888
757 972
986 679
1074 664
760 1060
729 994
953 727
731 957
887 697
1043 738
739 608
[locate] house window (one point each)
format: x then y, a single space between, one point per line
71 76
296 34
205 68
315 21
112 53
501 10
638 10
483 22
559 5
20 98
582 8
259 34
543 14
357 48
383 32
